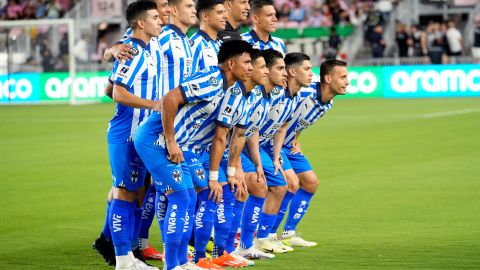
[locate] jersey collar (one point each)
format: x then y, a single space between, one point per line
229 27
242 86
288 94
205 35
225 81
264 92
140 42
319 94
176 30
257 39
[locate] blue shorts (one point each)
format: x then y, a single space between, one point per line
273 180
298 162
199 166
166 174
128 170
247 164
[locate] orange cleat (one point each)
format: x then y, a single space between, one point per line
208 264
227 260
152 254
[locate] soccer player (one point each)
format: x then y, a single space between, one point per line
299 74
205 216
135 83
205 42
333 82
123 52
237 13
184 110
264 21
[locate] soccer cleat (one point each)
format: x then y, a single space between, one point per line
274 240
191 266
227 260
265 245
136 265
152 254
208 264
252 253
290 238
240 258
105 248
138 254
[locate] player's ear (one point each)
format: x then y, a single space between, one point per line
255 18
174 10
141 24
230 63
228 5
203 16
291 71
328 78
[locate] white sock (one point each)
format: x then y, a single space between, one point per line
122 261
143 243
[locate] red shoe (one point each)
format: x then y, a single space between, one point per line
227 260
208 264
152 254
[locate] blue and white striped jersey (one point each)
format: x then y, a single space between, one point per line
272 43
139 76
308 111
177 57
283 106
259 105
202 93
204 50
231 111
154 49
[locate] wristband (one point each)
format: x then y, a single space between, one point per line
213 175
231 171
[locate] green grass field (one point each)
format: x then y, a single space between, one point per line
400 186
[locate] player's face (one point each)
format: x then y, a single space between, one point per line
304 74
339 80
241 67
152 23
186 12
278 73
260 71
266 19
217 17
164 11
239 10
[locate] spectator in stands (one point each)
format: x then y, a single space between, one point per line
356 15
433 45
454 39
29 8
403 40
63 49
385 7
54 11
48 61
377 42
297 14
283 14
327 17
334 40
416 36
41 9
476 40
13 10
81 50
315 19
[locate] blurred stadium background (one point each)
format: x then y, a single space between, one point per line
399 175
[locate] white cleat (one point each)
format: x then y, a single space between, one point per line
253 253
290 238
191 266
265 245
242 259
274 240
136 265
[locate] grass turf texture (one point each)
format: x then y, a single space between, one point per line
399 186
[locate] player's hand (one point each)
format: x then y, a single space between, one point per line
175 154
216 191
157 106
241 191
278 167
295 148
260 174
122 52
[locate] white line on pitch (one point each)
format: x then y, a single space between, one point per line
449 113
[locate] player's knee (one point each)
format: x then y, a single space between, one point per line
310 184
278 191
124 195
256 188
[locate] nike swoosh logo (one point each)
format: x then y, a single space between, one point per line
268 250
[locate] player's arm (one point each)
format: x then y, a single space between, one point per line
109 89
125 97
253 147
278 139
296 145
170 103
216 153
121 52
237 142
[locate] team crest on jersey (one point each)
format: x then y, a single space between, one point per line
193 87
200 173
257 92
213 81
134 176
275 90
135 51
177 175
236 91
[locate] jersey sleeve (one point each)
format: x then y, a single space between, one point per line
202 86
125 74
127 35
231 107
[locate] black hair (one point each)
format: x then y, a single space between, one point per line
232 48
258 4
256 53
207 5
295 58
137 10
271 56
328 65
